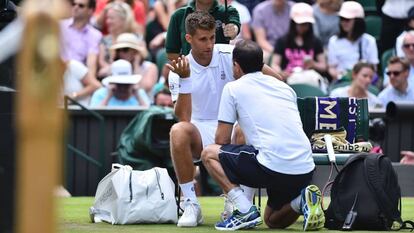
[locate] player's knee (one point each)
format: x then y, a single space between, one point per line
180 130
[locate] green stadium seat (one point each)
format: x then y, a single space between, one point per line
369 6
373 24
303 90
385 57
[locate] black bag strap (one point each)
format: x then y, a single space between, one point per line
374 182
360 49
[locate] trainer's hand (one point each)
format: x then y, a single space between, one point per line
180 66
230 30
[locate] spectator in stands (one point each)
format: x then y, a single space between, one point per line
270 22
408 50
157 29
120 89
138 11
352 44
245 18
119 19
176 43
79 39
362 75
299 48
163 98
399 90
326 19
78 83
400 38
394 19
130 48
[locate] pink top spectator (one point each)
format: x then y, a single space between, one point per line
77 44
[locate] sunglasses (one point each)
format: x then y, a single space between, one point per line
408 46
123 50
80 5
393 73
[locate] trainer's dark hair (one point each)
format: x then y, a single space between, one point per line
248 55
358 29
199 20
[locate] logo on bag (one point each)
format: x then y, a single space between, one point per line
106 195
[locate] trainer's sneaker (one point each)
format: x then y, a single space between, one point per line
240 220
313 215
191 216
228 208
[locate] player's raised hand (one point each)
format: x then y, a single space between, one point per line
180 66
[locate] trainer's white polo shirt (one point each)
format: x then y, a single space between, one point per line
267 112
208 82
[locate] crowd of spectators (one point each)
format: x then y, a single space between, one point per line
329 39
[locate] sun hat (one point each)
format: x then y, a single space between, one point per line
351 10
302 13
121 74
130 40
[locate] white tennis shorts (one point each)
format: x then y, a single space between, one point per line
207 129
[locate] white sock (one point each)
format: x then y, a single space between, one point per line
295 204
189 191
248 192
241 202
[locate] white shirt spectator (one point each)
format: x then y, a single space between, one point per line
373 101
344 54
391 94
397 9
72 80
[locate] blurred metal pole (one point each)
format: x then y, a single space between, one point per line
39 120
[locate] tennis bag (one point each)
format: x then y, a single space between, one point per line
127 196
365 195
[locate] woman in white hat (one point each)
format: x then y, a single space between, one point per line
120 89
299 48
352 44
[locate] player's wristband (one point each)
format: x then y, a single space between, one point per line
186 86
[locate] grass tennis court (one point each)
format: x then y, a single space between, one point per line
74 218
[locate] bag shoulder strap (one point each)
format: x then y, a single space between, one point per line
374 181
341 175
